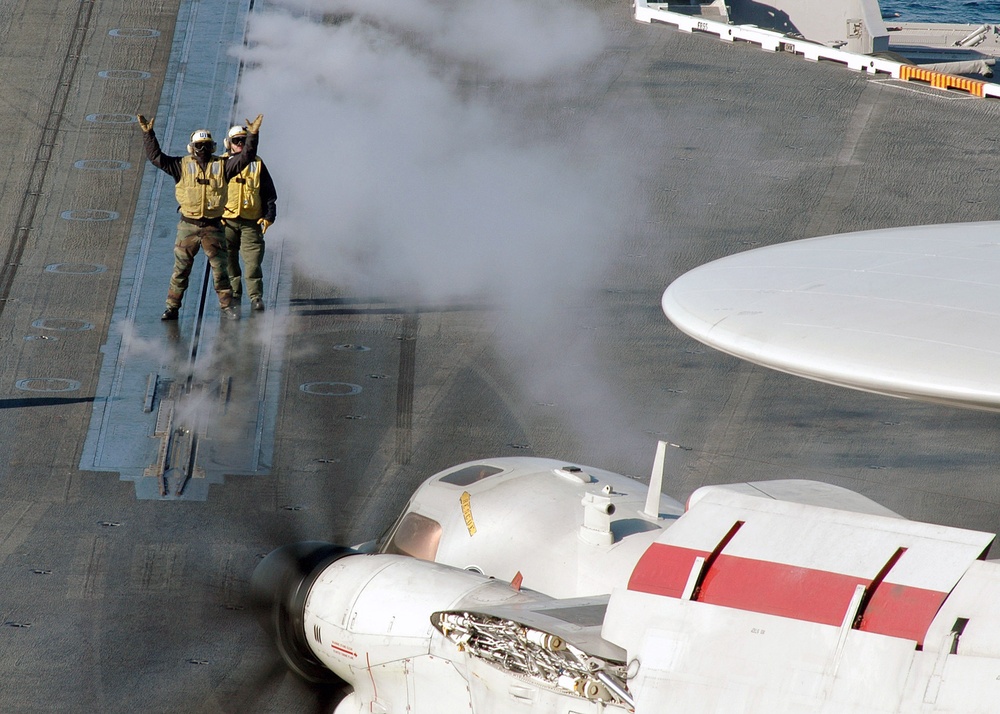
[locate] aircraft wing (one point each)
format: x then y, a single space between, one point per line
888 311
753 604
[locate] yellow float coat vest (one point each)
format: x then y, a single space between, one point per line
244 194
202 194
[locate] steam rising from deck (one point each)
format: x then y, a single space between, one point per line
399 163
448 150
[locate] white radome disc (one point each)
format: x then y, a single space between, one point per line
909 312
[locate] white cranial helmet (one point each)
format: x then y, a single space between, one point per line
200 136
233 132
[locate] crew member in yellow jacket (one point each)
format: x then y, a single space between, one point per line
250 210
201 185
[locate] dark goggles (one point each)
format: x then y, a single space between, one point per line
238 140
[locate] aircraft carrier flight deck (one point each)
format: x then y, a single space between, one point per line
145 468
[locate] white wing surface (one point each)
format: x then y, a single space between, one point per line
908 312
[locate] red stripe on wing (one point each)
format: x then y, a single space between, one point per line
787 591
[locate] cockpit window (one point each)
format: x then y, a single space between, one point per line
470 475
416 536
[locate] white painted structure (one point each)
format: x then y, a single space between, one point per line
591 522
893 311
858 43
785 596
851 25
808 609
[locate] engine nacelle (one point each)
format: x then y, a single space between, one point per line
372 610
405 634
279 587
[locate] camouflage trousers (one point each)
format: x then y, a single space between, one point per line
245 239
189 239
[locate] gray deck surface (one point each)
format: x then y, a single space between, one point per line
115 599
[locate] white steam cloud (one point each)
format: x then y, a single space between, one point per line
451 150
517 40
398 172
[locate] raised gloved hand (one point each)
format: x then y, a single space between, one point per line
145 124
254 126
264 225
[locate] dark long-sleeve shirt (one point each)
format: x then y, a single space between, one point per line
172 164
268 194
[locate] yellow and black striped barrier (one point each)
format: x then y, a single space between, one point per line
943 81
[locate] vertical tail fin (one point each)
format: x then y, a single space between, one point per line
652 509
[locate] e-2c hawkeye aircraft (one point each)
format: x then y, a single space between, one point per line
732 602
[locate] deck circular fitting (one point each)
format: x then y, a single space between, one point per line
47 384
134 32
351 348
102 165
89 214
62 324
112 118
123 74
76 268
331 389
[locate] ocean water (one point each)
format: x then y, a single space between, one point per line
969 12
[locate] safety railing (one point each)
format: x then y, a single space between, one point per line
778 42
